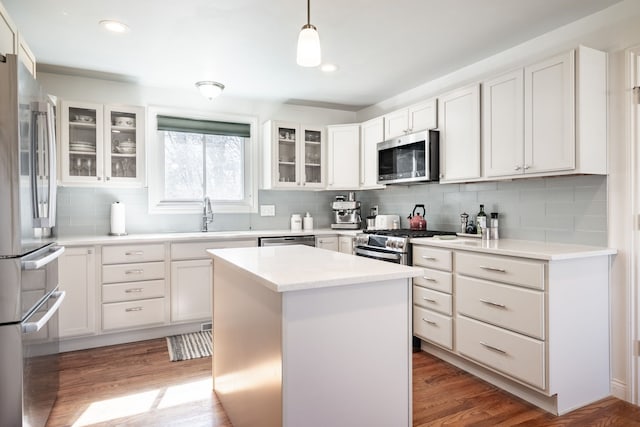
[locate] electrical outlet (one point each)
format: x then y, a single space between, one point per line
267 210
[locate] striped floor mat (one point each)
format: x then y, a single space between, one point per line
189 346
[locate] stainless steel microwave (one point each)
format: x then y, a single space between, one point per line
409 158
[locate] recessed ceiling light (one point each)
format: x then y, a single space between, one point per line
329 68
114 26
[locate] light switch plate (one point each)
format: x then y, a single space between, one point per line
267 210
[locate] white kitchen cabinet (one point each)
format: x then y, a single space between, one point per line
293 156
371 133
417 117
8 33
459 125
327 242
77 277
101 145
346 244
343 157
191 286
26 55
548 118
191 275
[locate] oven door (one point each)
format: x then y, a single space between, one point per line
381 254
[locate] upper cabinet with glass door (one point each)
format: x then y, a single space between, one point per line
101 145
293 156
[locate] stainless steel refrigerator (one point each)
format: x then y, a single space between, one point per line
29 294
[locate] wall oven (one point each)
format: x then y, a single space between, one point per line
409 158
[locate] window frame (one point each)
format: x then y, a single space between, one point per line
155 165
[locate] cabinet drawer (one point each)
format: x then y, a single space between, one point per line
132 272
433 300
425 256
132 314
516 271
521 357
512 307
197 250
433 327
434 279
132 291
132 253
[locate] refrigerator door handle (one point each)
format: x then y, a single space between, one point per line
35 264
51 215
28 327
43 164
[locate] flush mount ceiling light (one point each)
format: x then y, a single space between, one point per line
114 26
308 43
210 89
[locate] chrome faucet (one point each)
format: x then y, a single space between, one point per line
207 214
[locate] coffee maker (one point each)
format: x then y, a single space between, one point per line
346 213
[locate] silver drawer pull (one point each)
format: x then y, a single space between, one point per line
134 253
133 309
430 322
429 258
429 279
129 291
492 348
491 303
136 271
429 300
500 270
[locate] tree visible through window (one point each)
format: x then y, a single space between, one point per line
199 165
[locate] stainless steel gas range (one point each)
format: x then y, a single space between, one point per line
391 245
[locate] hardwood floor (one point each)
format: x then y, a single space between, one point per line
136 385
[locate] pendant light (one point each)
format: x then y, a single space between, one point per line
210 89
308 43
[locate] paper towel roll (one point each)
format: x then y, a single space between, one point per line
117 219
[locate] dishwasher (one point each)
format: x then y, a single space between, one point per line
287 240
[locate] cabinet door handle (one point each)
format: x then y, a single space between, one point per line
132 290
99 178
494 304
517 167
429 279
430 322
526 167
107 178
499 270
133 309
429 258
136 271
492 348
134 253
429 300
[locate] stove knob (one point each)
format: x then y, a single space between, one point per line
390 244
400 245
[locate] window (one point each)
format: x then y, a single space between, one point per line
195 156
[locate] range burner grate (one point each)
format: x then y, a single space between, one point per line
405 232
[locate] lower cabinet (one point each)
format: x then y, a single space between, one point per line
191 290
346 244
327 242
77 277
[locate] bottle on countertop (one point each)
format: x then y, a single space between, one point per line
493 226
307 222
296 222
481 221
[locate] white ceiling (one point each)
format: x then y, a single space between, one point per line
381 47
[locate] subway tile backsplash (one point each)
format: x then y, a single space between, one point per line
570 209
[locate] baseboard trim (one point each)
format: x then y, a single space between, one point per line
619 390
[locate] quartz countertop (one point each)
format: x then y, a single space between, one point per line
298 267
518 248
197 235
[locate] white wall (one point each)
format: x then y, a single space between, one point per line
613 30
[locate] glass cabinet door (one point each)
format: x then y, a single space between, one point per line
123 139
287 154
312 156
82 142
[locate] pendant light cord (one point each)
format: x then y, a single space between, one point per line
308 12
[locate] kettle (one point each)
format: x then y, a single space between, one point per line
417 222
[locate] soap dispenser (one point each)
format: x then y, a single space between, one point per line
307 222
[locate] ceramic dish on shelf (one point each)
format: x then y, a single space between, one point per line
82 148
124 121
126 150
80 118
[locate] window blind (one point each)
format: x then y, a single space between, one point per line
180 124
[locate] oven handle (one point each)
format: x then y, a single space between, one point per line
29 327
35 264
376 254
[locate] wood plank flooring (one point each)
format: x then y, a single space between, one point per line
136 385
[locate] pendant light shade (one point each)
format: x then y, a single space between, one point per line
210 89
309 53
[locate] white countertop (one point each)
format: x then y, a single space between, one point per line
519 248
297 267
197 235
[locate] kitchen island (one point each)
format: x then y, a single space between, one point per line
310 337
